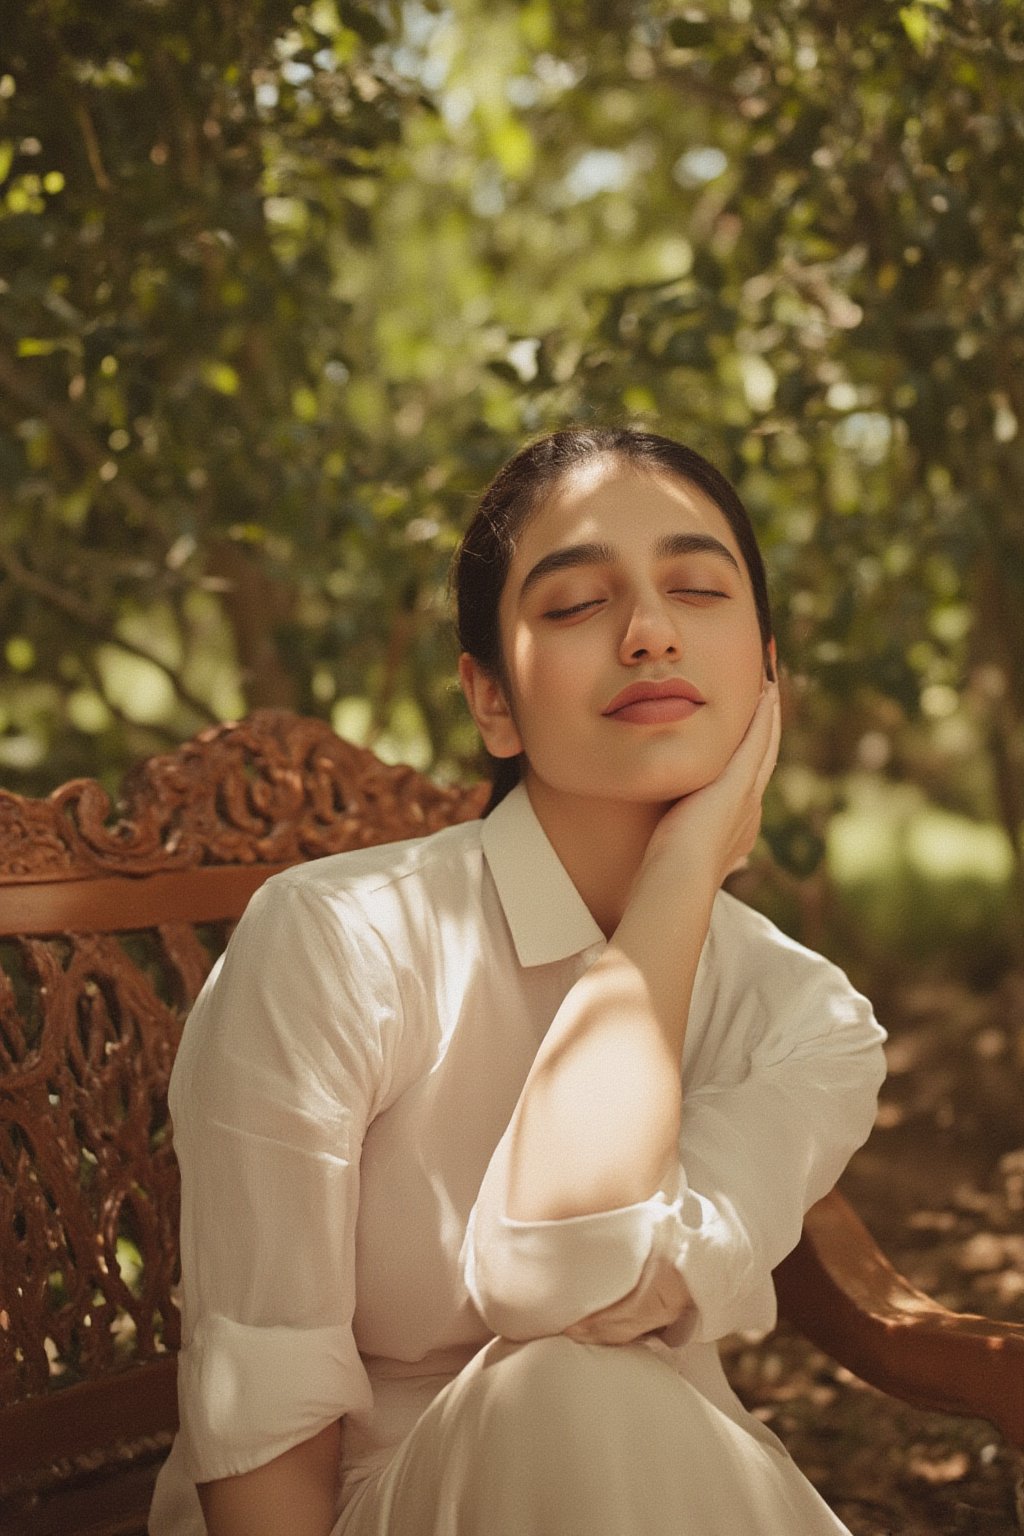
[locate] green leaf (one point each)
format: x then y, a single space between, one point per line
220 376
796 845
39 346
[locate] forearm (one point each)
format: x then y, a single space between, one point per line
293 1495
596 1130
597 1122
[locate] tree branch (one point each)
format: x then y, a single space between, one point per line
92 144
73 608
160 732
62 422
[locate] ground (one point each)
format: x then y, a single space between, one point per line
941 1185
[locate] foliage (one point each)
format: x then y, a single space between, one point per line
283 284
174 347
860 279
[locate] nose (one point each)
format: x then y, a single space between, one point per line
650 634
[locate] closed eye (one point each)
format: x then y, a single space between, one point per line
568 613
698 592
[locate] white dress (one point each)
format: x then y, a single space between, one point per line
341 1086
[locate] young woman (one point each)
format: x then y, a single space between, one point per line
487 1138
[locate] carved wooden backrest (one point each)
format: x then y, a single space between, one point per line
109 922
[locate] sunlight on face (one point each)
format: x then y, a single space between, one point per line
625 581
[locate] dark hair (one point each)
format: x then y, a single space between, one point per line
481 564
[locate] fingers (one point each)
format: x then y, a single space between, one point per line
754 758
720 821
610 1329
609 1333
772 702
659 1298
752 765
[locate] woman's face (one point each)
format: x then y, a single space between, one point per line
632 650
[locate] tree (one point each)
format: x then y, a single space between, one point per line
287 283
172 351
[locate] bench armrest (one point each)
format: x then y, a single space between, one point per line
840 1290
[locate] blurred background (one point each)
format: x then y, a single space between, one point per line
281 285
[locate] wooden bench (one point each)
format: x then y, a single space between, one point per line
109 923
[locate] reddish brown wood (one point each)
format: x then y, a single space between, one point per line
841 1291
113 1500
120 903
272 789
88 1181
127 1407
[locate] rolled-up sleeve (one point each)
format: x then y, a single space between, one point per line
280 1065
755 1152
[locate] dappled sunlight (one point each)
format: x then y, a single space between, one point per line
887 828
281 296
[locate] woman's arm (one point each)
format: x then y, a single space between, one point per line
754 1147
293 1495
271 1093
597 1123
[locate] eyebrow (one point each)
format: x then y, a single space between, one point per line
603 554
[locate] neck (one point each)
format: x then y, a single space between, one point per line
601 844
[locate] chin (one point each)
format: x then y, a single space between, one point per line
665 789
674 781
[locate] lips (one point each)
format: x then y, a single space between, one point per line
652 703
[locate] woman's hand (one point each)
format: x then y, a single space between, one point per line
600 1111
714 828
659 1297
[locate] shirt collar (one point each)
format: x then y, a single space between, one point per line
546 914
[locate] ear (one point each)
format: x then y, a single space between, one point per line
489 708
773 660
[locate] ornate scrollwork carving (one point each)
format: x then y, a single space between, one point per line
89 1023
89 1185
272 788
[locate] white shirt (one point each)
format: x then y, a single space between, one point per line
342 1083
